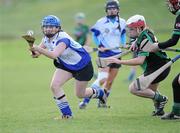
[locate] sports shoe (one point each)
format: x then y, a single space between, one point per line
65 117
170 116
155 112
160 106
103 100
102 105
82 105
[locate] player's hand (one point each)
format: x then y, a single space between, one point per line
133 46
34 48
113 60
35 55
102 49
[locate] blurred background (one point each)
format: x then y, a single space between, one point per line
18 16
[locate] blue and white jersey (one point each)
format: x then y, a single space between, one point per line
74 57
107 34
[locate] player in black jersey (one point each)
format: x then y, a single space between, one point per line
174 7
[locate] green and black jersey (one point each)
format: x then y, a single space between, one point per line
80 33
153 61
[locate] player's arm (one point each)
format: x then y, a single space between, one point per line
175 36
61 45
51 54
171 42
123 38
131 62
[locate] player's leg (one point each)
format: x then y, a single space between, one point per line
82 77
113 71
59 78
91 92
149 93
102 76
175 113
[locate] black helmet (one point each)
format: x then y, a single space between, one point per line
112 4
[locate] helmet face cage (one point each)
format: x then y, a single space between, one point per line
112 4
173 5
51 22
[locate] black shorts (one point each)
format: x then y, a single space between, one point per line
162 76
84 74
114 65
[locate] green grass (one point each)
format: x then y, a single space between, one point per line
26 101
27 105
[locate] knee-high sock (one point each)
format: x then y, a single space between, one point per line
101 75
63 105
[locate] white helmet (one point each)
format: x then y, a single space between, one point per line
136 21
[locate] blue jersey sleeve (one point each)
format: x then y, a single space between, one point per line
95 39
123 37
64 40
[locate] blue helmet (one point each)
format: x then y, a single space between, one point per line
50 20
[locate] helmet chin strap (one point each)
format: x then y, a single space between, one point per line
112 16
49 35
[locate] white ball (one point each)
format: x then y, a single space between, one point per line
30 32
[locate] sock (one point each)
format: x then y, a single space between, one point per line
98 92
107 92
158 97
63 105
176 108
176 89
86 100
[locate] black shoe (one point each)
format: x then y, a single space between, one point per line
170 116
157 113
160 105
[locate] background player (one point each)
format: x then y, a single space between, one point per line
81 30
108 32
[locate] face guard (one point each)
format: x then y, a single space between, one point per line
112 5
50 25
173 5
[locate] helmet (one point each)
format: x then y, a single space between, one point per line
173 5
112 4
136 21
50 20
80 15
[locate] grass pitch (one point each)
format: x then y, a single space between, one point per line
27 105
26 102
